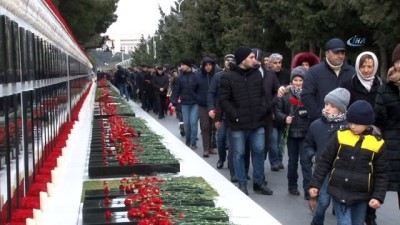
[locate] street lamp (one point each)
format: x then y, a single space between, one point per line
122 53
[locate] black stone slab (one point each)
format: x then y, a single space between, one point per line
98 170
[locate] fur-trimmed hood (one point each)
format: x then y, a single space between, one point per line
309 57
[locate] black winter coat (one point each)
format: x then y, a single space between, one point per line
318 134
318 82
357 168
242 98
359 92
300 122
387 113
160 81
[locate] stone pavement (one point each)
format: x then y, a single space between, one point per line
287 209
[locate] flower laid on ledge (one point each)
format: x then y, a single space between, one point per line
154 200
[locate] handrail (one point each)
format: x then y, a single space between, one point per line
39 18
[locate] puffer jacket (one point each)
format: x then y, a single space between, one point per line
318 134
357 166
300 123
242 98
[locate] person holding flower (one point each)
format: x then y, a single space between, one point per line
290 111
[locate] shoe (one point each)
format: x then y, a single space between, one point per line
187 143
234 179
206 154
370 222
262 188
181 129
275 168
306 195
193 146
220 164
212 151
243 188
280 165
294 191
313 223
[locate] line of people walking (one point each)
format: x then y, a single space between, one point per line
337 121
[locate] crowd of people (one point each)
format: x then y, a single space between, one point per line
340 123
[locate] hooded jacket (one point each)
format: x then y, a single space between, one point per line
204 80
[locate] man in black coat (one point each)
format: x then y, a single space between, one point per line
331 73
242 98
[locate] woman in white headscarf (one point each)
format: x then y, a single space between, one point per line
365 83
364 86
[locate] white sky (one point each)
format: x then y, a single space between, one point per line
139 16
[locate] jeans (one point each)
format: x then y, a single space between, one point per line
123 90
230 154
257 145
221 141
295 148
350 214
275 156
190 114
324 199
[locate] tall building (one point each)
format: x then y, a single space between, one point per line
125 42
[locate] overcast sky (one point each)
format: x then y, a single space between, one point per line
139 16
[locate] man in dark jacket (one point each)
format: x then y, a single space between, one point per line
121 79
242 98
204 77
185 90
324 77
160 85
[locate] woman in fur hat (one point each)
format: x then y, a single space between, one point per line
305 59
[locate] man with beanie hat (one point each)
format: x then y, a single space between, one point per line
322 78
242 53
185 89
356 163
216 113
333 117
242 98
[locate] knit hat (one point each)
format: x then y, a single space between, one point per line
187 62
229 56
335 44
396 54
241 54
259 54
360 112
299 71
339 97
